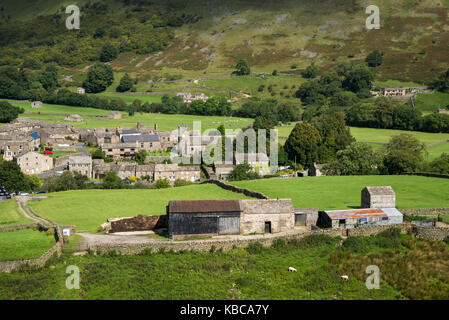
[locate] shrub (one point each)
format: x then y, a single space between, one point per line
255 248
279 244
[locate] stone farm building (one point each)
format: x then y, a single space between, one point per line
31 162
359 218
36 104
81 165
224 217
259 162
378 197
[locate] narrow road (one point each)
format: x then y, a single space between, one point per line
22 203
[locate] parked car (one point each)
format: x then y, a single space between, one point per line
40 192
22 193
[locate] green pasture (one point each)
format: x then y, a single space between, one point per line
344 192
25 244
11 215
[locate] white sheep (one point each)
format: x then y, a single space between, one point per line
291 269
346 278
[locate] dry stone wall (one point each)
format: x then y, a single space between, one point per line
16 265
430 233
232 188
425 211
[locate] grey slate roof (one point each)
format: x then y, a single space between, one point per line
142 138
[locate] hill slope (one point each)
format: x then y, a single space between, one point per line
280 34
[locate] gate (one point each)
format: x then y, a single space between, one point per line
228 225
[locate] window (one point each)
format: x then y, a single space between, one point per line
384 218
141 145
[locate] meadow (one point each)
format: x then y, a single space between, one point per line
88 209
343 192
24 244
10 214
253 273
165 122
432 102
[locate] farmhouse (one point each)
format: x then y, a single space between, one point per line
80 90
359 218
378 197
223 171
259 162
187 97
81 165
394 92
31 162
224 217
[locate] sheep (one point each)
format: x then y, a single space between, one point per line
291 269
346 278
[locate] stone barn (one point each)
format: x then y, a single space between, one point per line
378 197
224 217
306 216
36 104
359 218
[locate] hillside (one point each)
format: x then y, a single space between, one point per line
285 35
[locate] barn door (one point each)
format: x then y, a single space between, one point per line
300 219
229 225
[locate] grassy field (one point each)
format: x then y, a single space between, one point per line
54 108
436 151
344 192
11 215
384 135
24 244
129 98
88 209
432 102
254 273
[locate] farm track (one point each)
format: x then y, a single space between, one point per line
22 203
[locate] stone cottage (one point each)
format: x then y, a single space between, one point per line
36 104
81 165
31 162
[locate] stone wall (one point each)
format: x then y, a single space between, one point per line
156 159
203 245
232 188
430 233
16 265
18 227
425 211
139 223
368 231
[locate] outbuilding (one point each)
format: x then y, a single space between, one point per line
223 217
378 197
359 218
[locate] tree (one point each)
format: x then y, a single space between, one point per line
98 154
126 83
8 112
303 143
435 122
374 59
108 53
140 157
112 181
242 172
99 77
357 159
12 178
34 181
310 72
442 83
439 165
404 153
358 77
162 184
242 68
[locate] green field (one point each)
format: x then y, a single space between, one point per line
344 192
437 151
88 209
24 244
11 215
384 135
432 102
129 98
54 108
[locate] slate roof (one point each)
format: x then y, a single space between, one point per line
383 190
141 138
129 131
